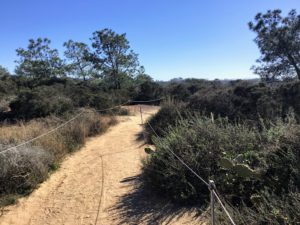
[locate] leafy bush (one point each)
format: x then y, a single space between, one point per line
201 143
247 164
148 90
99 102
41 97
167 116
271 209
39 103
246 101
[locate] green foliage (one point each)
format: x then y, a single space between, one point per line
108 73
242 170
226 163
142 77
201 144
39 60
247 164
112 61
113 57
31 98
270 209
278 39
167 116
3 72
182 90
39 103
249 102
77 56
147 90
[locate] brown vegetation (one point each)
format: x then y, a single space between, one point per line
24 167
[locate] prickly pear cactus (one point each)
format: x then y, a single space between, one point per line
244 170
240 169
239 159
226 163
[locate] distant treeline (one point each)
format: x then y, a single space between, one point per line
26 98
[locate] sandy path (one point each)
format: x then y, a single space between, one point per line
95 186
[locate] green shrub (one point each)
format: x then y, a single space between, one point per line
39 103
249 102
268 209
245 163
148 90
100 102
168 115
201 143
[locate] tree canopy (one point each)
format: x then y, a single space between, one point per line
278 39
112 56
3 72
39 60
78 64
109 58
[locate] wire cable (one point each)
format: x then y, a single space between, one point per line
223 207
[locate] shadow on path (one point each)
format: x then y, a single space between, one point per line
141 207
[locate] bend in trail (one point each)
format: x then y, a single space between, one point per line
96 186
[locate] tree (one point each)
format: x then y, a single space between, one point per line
3 72
113 57
141 76
77 54
278 39
39 60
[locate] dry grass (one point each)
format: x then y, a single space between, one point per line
23 168
64 140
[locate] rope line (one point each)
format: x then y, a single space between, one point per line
102 191
154 100
117 106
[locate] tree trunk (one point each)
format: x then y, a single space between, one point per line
297 71
294 64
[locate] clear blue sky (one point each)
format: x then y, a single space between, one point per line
193 38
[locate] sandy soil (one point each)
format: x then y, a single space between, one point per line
96 185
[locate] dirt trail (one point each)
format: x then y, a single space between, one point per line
95 186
